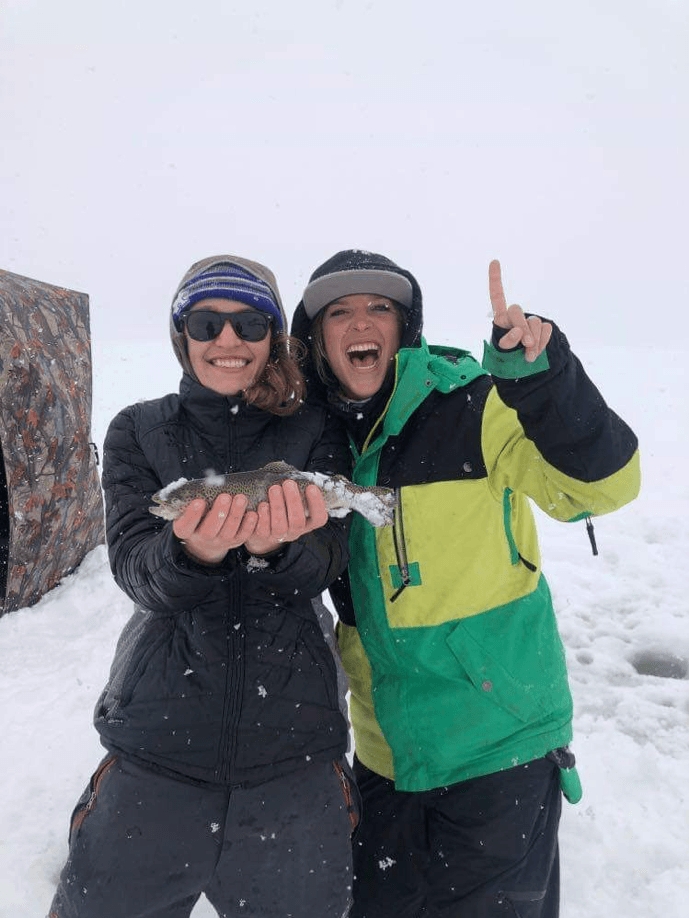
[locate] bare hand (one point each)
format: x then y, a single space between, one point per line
283 518
532 333
208 535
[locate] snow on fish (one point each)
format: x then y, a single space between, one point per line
375 504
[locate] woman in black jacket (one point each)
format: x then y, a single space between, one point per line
225 771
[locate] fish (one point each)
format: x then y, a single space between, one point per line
376 504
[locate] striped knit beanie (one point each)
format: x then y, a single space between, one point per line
229 282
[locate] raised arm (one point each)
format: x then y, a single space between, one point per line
560 412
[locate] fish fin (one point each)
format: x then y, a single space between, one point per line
161 512
279 465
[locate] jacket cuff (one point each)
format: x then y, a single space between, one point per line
187 562
512 364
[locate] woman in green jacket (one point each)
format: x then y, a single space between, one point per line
460 704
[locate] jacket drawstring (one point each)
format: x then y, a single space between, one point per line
591 535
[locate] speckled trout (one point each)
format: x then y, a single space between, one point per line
341 495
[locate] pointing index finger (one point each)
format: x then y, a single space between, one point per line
497 294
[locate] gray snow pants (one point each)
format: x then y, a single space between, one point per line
143 845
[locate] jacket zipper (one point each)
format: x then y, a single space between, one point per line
235 678
398 525
96 780
347 794
400 546
235 647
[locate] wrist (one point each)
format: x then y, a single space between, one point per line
264 550
204 560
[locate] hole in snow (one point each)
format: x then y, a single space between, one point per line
660 663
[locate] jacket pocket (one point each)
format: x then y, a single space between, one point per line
88 800
140 640
490 677
146 650
515 555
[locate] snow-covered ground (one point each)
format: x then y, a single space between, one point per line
625 623
139 137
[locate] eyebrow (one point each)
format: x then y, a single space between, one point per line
374 296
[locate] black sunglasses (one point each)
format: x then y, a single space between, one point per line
204 324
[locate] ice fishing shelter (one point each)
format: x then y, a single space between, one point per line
51 509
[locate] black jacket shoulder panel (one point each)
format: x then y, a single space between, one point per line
441 441
567 418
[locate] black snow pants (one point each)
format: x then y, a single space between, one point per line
482 848
143 845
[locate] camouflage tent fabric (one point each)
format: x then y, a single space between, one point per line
51 509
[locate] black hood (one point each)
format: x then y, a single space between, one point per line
356 260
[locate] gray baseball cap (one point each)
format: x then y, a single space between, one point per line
331 287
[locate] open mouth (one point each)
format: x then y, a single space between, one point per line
364 355
230 363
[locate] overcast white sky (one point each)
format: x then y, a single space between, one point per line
140 136
136 137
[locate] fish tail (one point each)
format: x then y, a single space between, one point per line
376 505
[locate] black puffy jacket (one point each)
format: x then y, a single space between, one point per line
222 675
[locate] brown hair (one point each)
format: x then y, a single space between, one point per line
318 355
280 388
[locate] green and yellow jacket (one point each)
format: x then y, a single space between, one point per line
455 663
447 629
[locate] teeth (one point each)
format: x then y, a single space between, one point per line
366 346
230 363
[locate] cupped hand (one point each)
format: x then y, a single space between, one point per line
532 333
208 534
283 518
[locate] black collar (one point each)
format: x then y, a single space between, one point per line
360 416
